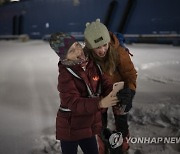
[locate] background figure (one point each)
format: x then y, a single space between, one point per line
104 48
81 86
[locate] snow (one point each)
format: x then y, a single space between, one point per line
29 99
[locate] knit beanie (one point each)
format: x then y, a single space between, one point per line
96 34
60 43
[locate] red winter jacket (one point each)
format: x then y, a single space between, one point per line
84 119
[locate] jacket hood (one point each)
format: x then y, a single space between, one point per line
114 40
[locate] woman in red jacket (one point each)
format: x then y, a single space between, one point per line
81 86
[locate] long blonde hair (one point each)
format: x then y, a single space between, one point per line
109 62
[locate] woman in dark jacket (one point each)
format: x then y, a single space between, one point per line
81 86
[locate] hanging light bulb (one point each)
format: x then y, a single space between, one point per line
14 0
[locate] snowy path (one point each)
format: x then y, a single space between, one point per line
29 99
28 95
156 110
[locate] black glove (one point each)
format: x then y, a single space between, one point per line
125 97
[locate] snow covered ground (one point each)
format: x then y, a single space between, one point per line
29 99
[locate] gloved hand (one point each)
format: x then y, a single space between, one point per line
125 96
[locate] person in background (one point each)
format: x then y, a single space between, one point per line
84 91
104 48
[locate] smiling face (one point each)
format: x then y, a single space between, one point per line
75 55
101 50
75 52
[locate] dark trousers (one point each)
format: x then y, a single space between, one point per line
88 146
121 123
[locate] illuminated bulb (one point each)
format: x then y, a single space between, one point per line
14 0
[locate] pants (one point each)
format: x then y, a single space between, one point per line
88 146
121 123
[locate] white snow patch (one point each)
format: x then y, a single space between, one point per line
28 78
157 64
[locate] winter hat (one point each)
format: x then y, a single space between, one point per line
96 34
60 43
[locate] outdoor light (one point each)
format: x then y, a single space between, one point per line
15 0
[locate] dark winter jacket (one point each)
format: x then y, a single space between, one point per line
84 119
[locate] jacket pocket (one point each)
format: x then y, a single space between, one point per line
63 120
83 121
